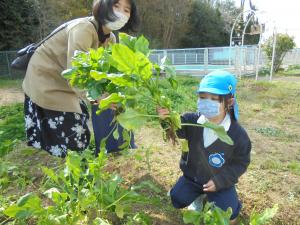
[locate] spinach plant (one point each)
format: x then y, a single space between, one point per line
82 193
124 73
213 215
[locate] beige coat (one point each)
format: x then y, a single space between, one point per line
43 81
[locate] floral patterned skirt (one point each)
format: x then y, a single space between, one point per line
55 131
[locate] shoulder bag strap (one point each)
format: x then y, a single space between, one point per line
61 27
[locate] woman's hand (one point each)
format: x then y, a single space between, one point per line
94 102
162 112
209 186
113 106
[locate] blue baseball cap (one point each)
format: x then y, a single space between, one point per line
220 82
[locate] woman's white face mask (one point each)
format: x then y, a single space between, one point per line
119 23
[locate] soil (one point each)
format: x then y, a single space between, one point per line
10 96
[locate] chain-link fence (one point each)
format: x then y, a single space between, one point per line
6 58
292 57
241 60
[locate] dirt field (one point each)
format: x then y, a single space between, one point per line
11 96
271 114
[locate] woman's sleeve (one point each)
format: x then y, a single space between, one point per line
80 38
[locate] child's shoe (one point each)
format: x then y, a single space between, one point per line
197 204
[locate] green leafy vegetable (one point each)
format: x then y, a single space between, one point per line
125 73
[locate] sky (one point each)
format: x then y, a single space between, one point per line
285 15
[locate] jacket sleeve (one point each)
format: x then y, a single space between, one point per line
182 133
237 165
80 38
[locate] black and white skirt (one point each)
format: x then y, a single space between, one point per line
55 131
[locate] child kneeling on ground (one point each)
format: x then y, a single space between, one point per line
211 166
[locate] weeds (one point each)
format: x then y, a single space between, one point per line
12 129
294 167
269 131
82 192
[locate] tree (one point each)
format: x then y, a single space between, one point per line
18 24
164 21
251 39
27 21
284 43
52 13
229 12
206 27
48 16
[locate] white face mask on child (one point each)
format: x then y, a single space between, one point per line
209 108
119 23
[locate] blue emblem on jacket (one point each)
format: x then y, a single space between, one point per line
216 160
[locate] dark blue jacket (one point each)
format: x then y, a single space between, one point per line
221 162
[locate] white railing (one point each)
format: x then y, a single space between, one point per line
241 60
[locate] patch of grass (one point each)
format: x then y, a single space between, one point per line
271 164
6 82
256 86
11 110
263 85
292 70
4 202
277 133
294 67
264 71
294 167
12 128
269 131
295 72
264 186
189 82
13 176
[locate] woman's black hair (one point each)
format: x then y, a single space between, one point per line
103 12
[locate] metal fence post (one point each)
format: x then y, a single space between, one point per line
165 54
206 60
245 54
238 61
8 65
229 56
257 62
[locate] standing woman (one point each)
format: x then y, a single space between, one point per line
56 115
103 124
